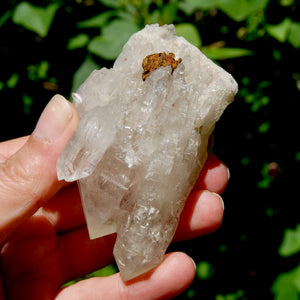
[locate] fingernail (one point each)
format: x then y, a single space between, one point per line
228 172
221 199
54 119
194 263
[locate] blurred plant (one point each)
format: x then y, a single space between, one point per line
37 19
287 284
105 271
238 295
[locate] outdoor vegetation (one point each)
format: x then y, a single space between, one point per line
49 47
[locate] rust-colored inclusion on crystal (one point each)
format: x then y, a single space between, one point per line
157 60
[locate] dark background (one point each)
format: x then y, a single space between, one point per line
257 137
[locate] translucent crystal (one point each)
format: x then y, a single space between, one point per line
141 144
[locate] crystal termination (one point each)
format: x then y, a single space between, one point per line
142 141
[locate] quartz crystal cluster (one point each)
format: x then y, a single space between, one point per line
142 141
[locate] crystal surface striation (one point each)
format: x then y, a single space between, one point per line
142 141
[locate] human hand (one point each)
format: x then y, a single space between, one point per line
43 234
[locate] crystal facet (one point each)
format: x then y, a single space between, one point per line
142 141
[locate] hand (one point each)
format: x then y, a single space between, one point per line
43 234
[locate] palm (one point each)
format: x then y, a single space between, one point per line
48 249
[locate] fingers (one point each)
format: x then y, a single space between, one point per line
65 210
204 209
214 175
164 282
202 214
28 178
82 255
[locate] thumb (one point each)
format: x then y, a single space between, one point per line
28 178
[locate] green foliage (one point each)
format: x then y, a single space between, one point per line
190 293
291 242
98 21
37 72
12 81
238 10
238 295
204 270
286 30
27 102
287 285
297 157
189 32
110 43
5 17
83 72
256 99
216 53
37 19
103 272
106 271
286 2
79 41
267 177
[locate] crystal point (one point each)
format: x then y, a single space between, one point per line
142 141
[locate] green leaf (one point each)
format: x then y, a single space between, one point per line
232 296
189 6
286 2
12 81
83 72
285 285
204 270
114 36
190 293
294 35
37 72
264 127
297 156
78 41
225 53
280 31
264 183
27 102
106 271
36 19
97 21
291 242
111 3
239 10
5 17
168 13
266 178
296 280
189 32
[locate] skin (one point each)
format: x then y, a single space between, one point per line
43 236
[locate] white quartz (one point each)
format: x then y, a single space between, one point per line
140 145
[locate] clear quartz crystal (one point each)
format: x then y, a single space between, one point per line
140 145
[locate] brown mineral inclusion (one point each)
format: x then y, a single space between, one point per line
157 60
